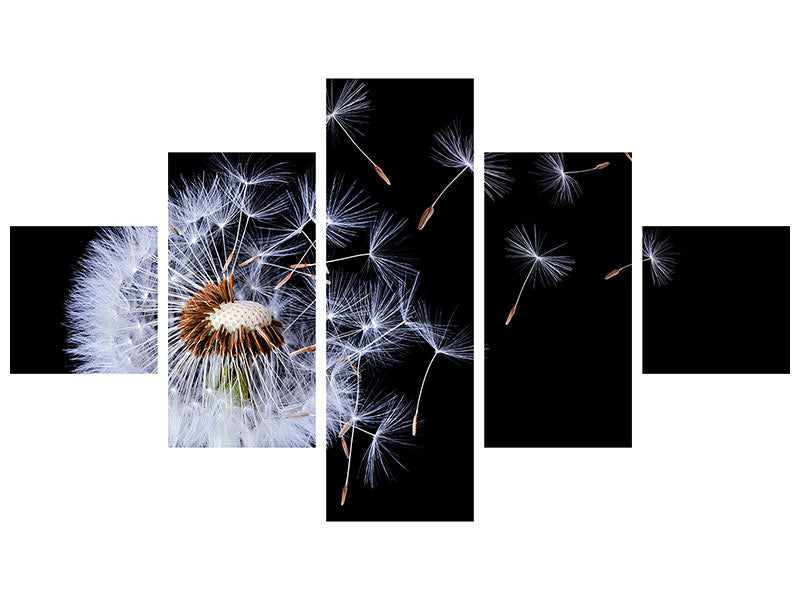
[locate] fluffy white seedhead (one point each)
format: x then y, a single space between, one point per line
451 148
497 178
443 335
367 319
529 252
241 372
549 171
660 254
347 213
349 108
388 251
251 170
388 414
111 312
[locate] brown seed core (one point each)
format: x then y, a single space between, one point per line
202 338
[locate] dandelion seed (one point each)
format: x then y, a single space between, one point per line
497 177
349 111
659 252
348 212
111 310
445 340
660 255
552 177
544 268
451 149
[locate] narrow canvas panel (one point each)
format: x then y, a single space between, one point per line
400 300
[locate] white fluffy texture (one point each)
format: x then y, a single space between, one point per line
497 177
111 311
452 148
348 108
528 251
245 208
659 252
550 174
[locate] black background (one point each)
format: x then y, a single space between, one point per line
43 264
399 138
560 374
726 309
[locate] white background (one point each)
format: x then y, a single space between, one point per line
705 505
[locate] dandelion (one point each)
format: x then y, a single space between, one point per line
552 177
241 327
659 253
111 311
453 150
544 267
349 111
497 177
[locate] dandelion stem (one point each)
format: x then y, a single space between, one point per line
428 213
521 289
380 172
419 398
352 433
616 272
599 167
304 265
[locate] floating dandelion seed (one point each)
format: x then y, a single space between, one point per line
111 311
241 328
349 111
347 212
451 149
497 177
551 176
445 339
384 252
659 253
544 267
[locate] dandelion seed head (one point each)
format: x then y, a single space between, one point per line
387 242
453 149
347 213
111 310
660 253
527 249
548 169
349 108
442 335
234 380
389 413
497 178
